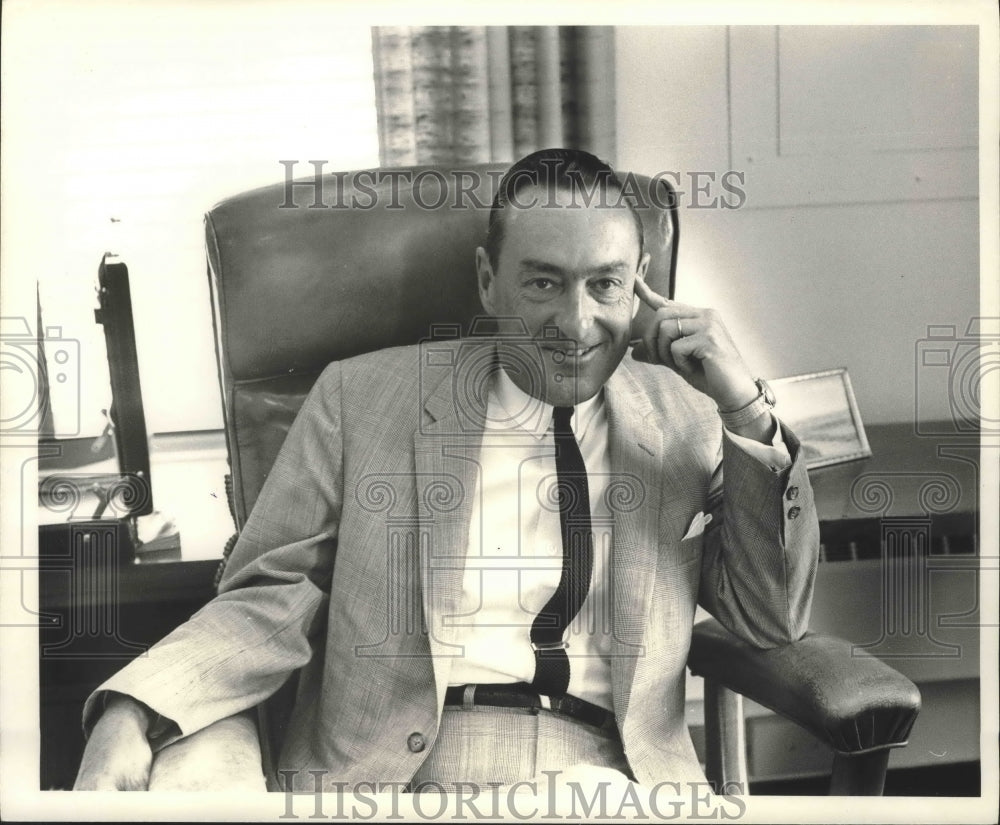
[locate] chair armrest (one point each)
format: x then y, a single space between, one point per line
844 696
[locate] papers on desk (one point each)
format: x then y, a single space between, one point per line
157 535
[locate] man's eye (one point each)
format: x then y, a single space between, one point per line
541 283
606 284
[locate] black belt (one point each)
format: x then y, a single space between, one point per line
521 695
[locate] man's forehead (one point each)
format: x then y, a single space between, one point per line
587 251
607 265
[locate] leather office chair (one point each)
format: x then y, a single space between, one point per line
296 285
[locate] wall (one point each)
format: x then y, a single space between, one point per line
807 287
123 146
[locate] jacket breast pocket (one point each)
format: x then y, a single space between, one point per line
684 552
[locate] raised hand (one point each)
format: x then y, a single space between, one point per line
696 344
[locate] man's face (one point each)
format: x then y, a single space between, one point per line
568 273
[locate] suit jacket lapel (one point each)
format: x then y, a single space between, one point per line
647 451
635 451
446 452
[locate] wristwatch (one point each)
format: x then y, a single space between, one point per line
763 403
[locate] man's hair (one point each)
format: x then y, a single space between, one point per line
582 174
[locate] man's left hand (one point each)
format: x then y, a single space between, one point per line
696 344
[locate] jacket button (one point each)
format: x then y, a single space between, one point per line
793 512
416 742
792 493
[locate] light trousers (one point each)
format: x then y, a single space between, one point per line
487 745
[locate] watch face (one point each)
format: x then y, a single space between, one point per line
766 391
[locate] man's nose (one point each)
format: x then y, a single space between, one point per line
576 313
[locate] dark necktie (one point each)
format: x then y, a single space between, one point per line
551 661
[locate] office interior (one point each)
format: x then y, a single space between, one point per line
856 246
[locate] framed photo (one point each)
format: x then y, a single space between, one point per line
820 408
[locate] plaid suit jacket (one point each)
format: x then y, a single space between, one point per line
351 563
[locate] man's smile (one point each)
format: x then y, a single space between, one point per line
572 353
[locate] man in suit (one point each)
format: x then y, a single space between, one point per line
482 557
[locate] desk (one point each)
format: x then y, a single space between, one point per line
97 618
916 606
907 476
905 521
146 600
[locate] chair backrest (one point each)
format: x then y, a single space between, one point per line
346 263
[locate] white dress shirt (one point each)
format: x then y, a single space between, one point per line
514 560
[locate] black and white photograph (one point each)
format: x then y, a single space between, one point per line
538 412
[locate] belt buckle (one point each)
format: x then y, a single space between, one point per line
540 646
564 705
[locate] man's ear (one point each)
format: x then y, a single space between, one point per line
640 273
485 277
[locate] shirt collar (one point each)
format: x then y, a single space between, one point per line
518 410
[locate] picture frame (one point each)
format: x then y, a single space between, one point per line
821 409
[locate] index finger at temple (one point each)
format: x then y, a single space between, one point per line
648 297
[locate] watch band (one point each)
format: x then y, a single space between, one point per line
763 403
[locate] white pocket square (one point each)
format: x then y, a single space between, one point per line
697 527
